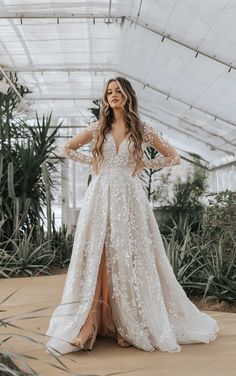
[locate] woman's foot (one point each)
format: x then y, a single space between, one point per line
121 342
87 334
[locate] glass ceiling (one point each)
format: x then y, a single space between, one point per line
178 54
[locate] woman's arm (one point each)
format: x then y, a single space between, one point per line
169 156
83 138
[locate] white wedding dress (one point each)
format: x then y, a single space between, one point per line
149 308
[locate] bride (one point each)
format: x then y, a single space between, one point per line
120 282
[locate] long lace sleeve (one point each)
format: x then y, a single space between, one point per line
75 155
169 155
70 149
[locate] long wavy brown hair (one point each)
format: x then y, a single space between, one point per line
132 124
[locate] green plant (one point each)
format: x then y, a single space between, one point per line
28 257
186 201
218 277
62 242
27 161
9 356
23 191
184 255
34 253
220 216
200 264
24 149
160 196
148 175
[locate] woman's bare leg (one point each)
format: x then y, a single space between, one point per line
88 328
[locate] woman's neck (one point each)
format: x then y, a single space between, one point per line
118 117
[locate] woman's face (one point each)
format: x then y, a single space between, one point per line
114 96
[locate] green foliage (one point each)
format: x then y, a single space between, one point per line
220 217
8 367
9 101
186 202
200 242
161 189
23 192
62 242
200 262
184 256
219 274
12 361
27 161
28 256
33 253
96 109
221 213
148 175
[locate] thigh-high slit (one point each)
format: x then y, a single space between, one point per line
105 321
103 316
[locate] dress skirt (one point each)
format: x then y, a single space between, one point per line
141 297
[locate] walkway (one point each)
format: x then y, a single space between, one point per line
214 359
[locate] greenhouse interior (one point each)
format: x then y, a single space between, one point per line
56 58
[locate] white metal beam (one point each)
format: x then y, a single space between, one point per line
205 142
164 36
109 18
113 70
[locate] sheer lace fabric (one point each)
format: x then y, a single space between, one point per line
149 308
151 137
77 156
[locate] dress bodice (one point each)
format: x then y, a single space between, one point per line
117 159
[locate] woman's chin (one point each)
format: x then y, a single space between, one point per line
116 105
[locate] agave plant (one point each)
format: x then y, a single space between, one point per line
24 148
201 265
29 256
218 277
27 161
184 256
24 192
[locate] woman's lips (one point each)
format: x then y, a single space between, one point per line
114 100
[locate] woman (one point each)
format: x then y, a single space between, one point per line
120 282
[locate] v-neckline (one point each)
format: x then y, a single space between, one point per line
117 150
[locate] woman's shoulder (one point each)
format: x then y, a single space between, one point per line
93 127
